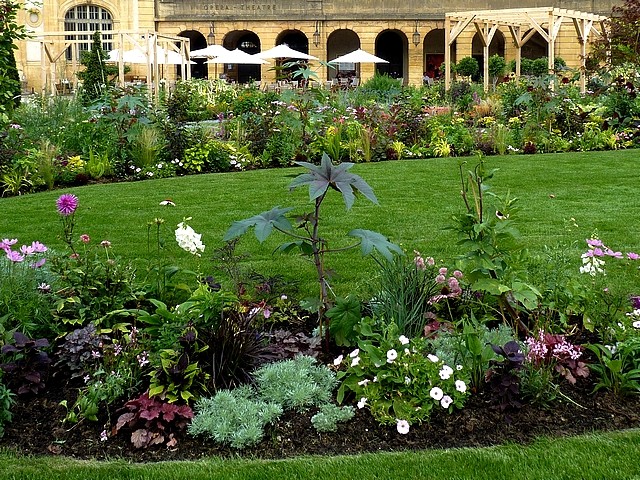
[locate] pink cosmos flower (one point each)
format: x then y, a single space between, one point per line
5 244
85 238
594 242
633 256
38 247
27 250
15 257
67 204
39 263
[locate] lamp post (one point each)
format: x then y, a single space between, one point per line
415 38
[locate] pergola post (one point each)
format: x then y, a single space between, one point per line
447 53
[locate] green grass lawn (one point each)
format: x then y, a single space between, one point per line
609 456
417 199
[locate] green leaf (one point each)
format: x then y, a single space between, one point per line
304 247
320 178
370 240
263 223
345 315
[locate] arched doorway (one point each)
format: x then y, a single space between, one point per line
392 46
197 41
248 42
433 48
536 47
296 40
496 47
341 42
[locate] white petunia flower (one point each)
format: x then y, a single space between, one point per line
354 353
403 340
338 360
433 358
436 393
402 426
446 401
461 386
362 402
391 355
355 361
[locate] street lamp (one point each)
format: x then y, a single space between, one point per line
211 38
316 34
415 38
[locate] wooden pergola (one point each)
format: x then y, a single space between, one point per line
522 24
54 45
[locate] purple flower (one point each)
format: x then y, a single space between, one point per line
5 244
594 242
39 263
67 204
38 247
611 253
633 256
14 256
27 250
635 301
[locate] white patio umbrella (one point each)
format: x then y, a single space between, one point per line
239 57
210 51
138 55
358 56
283 51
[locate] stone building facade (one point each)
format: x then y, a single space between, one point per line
407 33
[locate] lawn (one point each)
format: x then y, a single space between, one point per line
563 199
416 201
608 456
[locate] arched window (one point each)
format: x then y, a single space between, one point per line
88 18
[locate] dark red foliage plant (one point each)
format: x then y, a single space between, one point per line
26 363
153 421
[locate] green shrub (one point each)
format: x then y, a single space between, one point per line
467 67
6 401
233 417
326 420
297 383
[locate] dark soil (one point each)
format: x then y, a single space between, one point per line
37 428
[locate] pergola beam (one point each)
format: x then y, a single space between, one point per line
546 21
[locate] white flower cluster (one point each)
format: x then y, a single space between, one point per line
592 265
188 239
